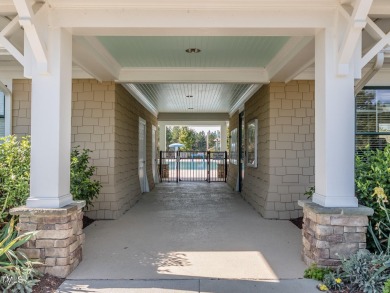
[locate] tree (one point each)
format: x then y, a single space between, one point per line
187 136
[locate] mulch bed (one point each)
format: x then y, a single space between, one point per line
87 221
297 222
47 284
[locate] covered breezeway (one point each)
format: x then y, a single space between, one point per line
191 231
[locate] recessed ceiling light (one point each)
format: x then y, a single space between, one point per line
189 96
193 50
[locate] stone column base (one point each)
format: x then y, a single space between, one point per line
331 233
59 242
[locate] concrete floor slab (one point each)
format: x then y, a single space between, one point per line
188 286
241 286
191 231
130 286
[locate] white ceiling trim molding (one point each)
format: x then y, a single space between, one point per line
307 74
141 98
300 70
197 119
245 97
193 75
293 46
92 57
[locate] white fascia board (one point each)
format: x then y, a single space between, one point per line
202 4
115 20
245 97
307 74
193 75
92 57
141 98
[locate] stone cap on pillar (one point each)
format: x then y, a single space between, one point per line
318 209
68 209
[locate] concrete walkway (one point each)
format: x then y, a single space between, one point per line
186 236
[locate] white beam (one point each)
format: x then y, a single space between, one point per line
141 98
380 58
201 4
373 30
303 59
375 50
193 119
130 21
293 46
300 70
91 56
380 8
245 97
26 16
11 27
193 75
354 30
11 49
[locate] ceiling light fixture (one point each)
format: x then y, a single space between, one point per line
193 50
189 96
190 108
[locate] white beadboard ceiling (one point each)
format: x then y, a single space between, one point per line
192 98
170 52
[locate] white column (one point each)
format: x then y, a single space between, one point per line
163 137
51 101
334 126
223 137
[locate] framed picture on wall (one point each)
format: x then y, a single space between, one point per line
233 147
251 160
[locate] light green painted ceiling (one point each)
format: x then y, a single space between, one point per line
170 51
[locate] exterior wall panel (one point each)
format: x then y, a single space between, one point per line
105 120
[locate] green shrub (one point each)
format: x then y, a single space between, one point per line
386 287
365 272
381 232
82 187
372 170
14 173
310 191
16 270
333 281
316 273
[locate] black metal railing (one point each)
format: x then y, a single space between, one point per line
193 166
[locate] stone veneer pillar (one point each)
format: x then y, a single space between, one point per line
58 244
331 233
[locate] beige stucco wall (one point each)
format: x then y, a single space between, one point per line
21 107
105 120
285 114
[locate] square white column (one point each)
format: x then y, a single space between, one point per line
51 102
334 126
